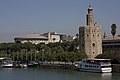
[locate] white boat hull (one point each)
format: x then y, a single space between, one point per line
7 65
109 70
6 62
106 70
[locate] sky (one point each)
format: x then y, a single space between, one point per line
19 17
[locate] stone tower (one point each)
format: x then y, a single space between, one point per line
90 36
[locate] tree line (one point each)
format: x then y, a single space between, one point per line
67 51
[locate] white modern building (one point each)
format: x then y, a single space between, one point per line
50 37
111 44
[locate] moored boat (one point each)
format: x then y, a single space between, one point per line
6 62
23 65
95 65
32 64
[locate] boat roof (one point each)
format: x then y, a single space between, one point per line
31 36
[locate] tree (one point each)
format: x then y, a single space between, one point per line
114 56
113 29
77 35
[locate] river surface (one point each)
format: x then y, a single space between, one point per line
53 74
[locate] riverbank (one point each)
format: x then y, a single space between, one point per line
115 67
60 66
67 65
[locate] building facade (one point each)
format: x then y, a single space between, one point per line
111 44
52 37
90 36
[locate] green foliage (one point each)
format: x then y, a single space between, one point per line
66 52
113 55
113 29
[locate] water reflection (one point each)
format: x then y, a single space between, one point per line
53 74
106 76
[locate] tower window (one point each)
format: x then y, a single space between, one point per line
82 45
93 44
93 35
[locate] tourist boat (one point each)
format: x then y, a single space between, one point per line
95 65
6 62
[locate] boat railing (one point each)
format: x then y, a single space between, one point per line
99 63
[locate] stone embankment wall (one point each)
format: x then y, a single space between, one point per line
116 68
61 65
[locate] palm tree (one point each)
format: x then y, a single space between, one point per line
113 29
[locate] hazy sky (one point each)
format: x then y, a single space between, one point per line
18 17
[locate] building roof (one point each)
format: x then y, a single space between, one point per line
116 38
31 36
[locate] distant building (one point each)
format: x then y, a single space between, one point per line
70 38
50 37
109 43
63 38
90 36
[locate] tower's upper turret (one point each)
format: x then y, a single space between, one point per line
90 8
90 17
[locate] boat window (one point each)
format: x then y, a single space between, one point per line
80 65
86 65
90 65
97 66
84 61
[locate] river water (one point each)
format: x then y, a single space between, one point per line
53 74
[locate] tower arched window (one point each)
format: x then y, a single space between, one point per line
93 44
